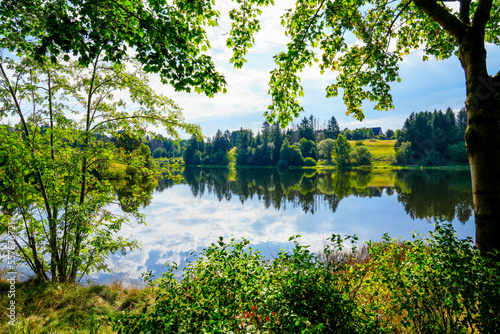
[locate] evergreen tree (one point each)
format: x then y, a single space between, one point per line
266 132
332 130
306 128
190 151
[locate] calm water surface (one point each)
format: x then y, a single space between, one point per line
268 207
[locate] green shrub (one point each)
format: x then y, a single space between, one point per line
438 284
342 152
361 156
131 171
403 153
291 154
458 153
197 158
231 289
283 164
310 162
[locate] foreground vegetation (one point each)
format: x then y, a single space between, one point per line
48 307
437 284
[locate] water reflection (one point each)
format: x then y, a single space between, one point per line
423 194
267 207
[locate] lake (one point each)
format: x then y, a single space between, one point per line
267 207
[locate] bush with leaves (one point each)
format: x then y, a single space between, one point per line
309 162
291 154
403 154
342 152
361 155
230 289
458 153
438 284
326 148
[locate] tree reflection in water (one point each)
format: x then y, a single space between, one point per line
423 194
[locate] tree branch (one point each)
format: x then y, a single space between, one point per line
465 11
482 14
445 19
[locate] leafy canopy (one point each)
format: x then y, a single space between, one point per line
365 40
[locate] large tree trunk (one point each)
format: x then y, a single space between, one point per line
483 142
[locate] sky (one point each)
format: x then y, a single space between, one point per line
425 85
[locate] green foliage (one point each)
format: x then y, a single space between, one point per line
169 38
283 164
358 134
291 154
333 129
197 158
458 153
361 155
159 152
308 148
431 135
52 165
389 134
131 171
229 288
438 284
320 32
127 141
310 162
342 152
326 148
403 154
306 128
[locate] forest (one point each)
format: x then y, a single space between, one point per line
426 139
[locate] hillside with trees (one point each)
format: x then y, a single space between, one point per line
432 138
426 139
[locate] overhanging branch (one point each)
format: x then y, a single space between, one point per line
444 18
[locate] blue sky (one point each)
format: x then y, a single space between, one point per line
425 85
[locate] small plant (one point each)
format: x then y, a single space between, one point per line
283 164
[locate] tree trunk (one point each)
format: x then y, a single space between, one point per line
483 142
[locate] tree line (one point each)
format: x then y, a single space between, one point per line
432 138
298 145
427 138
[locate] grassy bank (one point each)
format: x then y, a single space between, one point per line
423 285
382 151
68 308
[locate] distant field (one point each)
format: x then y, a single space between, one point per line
381 150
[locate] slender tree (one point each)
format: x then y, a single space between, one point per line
57 205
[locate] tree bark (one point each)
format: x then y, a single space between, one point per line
483 140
